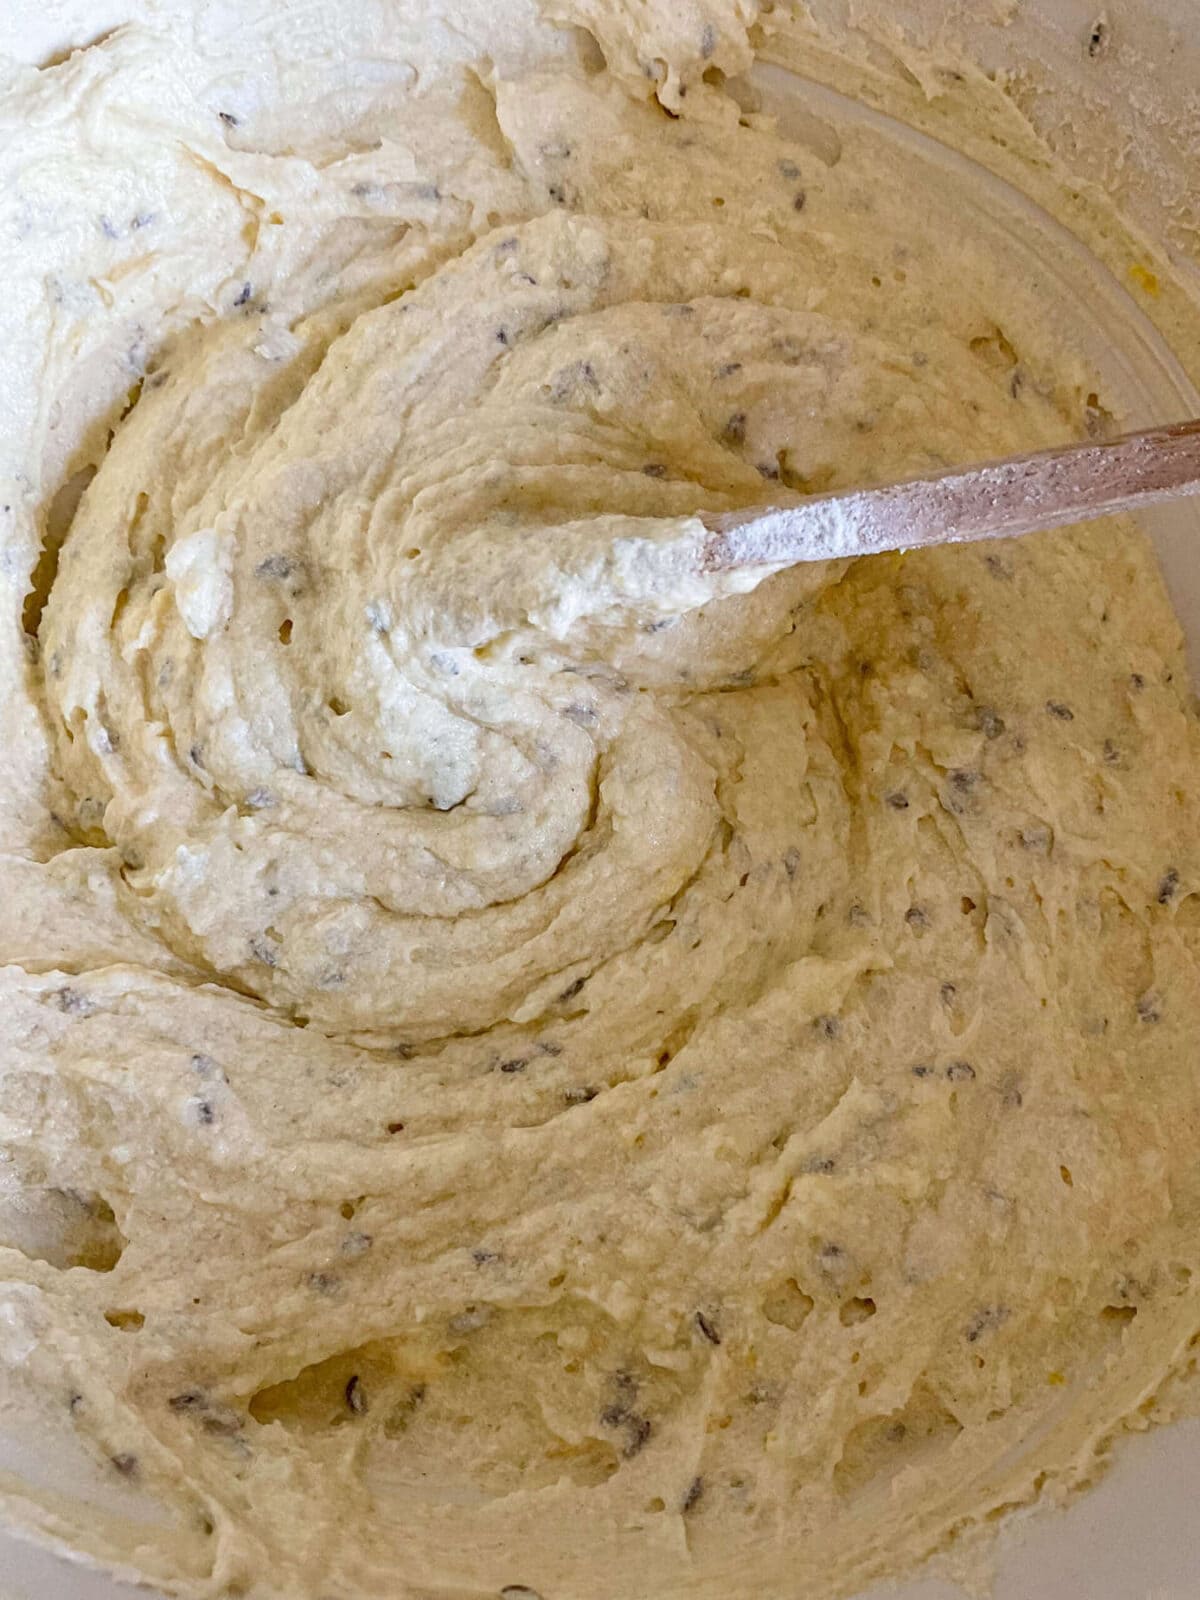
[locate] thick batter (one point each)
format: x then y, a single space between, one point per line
521 1074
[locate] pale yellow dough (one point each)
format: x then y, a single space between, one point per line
522 1070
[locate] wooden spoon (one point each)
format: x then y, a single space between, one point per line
997 500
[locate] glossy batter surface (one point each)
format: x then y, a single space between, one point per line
521 1069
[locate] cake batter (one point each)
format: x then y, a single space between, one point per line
521 1074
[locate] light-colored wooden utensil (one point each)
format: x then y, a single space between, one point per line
997 500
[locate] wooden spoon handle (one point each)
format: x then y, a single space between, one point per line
998 500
